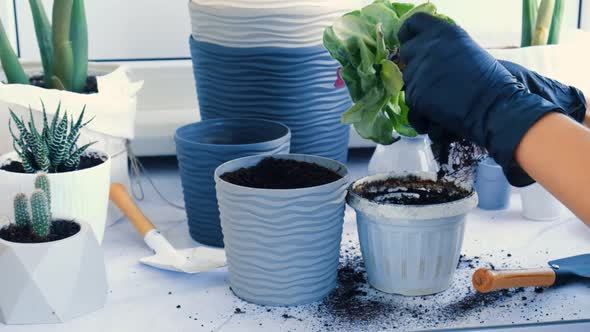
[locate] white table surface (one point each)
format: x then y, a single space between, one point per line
145 299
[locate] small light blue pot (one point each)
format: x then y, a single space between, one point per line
282 246
492 186
294 86
202 147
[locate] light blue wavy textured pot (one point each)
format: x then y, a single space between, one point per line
492 186
202 147
282 246
293 86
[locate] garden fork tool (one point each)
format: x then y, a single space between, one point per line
194 260
559 272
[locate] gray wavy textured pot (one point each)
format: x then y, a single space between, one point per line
52 282
282 246
202 147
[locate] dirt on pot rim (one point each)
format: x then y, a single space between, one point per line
90 159
410 196
59 230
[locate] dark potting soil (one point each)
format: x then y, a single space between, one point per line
272 173
60 229
411 190
86 161
90 88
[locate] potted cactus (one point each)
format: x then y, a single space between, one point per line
33 251
65 76
81 176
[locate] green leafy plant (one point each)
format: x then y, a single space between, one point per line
541 23
54 148
39 215
63 46
365 43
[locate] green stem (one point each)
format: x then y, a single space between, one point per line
544 18
63 56
555 31
529 18
79 36
43 32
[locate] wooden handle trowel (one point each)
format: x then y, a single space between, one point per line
559 272
195 260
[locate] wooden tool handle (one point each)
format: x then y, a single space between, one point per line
485 281
123 201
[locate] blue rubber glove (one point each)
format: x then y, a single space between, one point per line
456 89
566 97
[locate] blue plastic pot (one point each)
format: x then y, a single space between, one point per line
293 86
202 147
492 186
282 245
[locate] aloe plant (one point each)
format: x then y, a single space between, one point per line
54 148
63 46
541 23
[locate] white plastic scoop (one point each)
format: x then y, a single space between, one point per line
195 260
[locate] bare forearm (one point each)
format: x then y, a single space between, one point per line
556 153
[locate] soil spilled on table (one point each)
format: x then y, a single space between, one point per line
60 229
274 173
411 190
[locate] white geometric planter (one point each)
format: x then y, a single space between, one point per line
51 282
80 195
114 108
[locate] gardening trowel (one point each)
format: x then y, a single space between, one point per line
195 260
559 272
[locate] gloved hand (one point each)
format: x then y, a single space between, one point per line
455 88
570 99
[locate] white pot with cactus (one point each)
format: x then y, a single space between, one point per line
65 77
81 177
53 268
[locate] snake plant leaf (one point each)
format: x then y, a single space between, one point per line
13 70
44 38
543 25
555 31
63 57
79 38
529 20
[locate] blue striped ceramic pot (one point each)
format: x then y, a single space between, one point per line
282 246
293 86
202 147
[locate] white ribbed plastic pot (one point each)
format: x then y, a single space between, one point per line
282 246
79 195
52 282
538 204
408 249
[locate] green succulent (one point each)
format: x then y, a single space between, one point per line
63 46
365 43
54 148
541 23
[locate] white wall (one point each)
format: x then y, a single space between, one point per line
144 29
7 17
122 29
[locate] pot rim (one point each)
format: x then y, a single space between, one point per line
285 136
9 156
417 213
83 227
342 170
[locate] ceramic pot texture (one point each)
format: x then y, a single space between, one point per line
52 282
247 23
202 147
282 246
80 195
539 205
292 86
114 106
492 186
410 250
406 155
